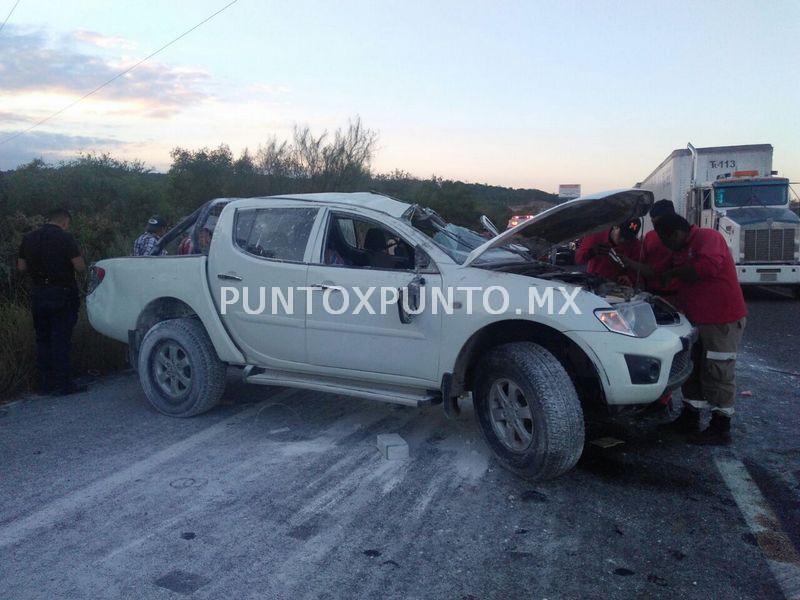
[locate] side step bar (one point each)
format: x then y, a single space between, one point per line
394 394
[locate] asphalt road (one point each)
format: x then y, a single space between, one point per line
282 494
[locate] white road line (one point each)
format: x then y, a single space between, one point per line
776 546
55 511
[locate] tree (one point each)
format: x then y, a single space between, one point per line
198 176
347 159
319 163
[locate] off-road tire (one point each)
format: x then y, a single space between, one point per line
556 428
179 369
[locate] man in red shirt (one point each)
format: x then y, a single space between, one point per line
708 291
655 254
595 251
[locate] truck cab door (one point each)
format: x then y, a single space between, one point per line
257 272
360 253
707 213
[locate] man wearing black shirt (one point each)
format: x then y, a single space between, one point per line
51 256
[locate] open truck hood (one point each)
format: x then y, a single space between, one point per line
571 220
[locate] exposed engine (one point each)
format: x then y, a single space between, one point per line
610 291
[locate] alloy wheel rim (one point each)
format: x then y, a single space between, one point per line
172 370
510 415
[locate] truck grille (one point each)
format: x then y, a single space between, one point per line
769 245
680 364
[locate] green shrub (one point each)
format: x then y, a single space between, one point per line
17 350
91 352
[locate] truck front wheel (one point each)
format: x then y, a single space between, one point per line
528 410
179 369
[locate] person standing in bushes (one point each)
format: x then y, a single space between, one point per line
50 255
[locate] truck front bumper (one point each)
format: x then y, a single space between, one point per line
766 274
612 354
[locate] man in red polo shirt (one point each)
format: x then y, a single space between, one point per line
595 251
708 292
656 255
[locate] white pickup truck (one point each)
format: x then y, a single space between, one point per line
280 287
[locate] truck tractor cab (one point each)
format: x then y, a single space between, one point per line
752 213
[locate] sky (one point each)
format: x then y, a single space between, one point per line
521 94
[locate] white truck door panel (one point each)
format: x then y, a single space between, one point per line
375 343
261 265
356 339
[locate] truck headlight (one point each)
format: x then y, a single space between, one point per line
635 319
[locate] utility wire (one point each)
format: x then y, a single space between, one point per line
13 8
113 79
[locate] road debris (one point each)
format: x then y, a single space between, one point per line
392 446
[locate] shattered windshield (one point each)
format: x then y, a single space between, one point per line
459 241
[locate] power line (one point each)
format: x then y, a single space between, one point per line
13 8
113 79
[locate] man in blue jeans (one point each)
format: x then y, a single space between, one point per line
51 257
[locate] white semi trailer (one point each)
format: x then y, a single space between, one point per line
734 190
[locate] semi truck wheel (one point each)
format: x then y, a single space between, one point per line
529 411
179 369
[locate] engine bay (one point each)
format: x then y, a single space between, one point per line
611 291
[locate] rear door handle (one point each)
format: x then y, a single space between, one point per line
228 276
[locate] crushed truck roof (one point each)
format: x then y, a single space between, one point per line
369 200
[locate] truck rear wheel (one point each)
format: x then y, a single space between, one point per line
529 411
179 369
